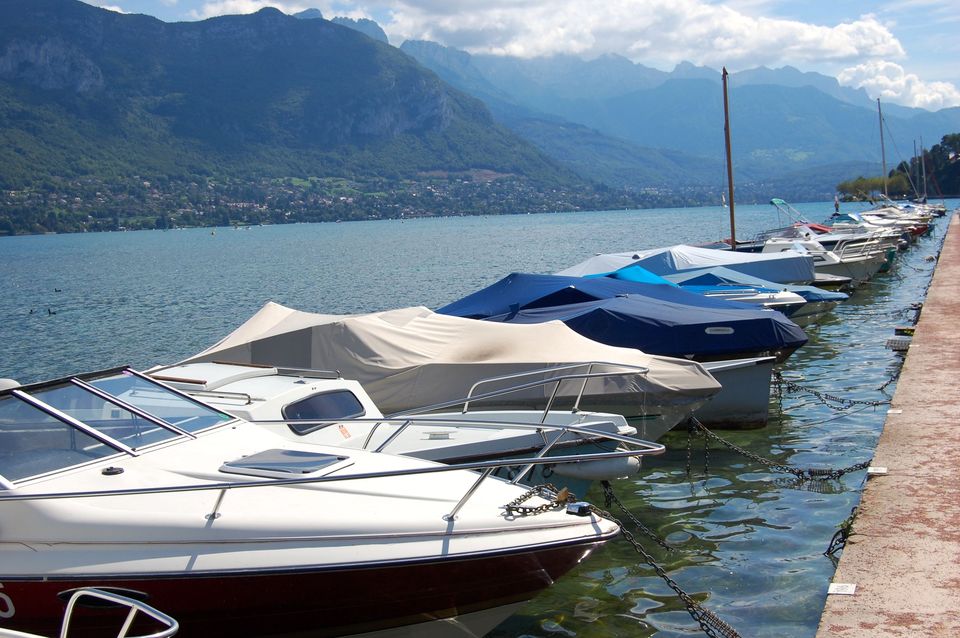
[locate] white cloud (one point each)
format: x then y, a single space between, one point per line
889 81
658 33
108 7
237 7
653 32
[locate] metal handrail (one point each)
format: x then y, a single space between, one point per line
638 447
635 447
134 606
218 394
584 428
626 370
653 449
860 247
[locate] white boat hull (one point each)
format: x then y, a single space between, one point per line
744 401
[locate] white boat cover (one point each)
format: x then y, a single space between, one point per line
412 357
788 267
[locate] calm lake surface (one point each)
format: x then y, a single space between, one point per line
748 543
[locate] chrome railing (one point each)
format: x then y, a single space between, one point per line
622 371
634 448
134 607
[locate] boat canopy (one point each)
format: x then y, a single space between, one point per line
785 267
413 357
655 318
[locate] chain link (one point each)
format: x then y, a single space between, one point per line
827 399
556 499
820 474
711 624
610 498
892 379
692 432
839 540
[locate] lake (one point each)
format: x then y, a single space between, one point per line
748 543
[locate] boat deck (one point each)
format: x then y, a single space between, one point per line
904 553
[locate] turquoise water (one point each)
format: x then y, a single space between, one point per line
749 543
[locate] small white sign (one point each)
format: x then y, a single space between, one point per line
876 470
895 411
845 589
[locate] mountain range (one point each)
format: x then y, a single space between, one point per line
88 94
788 127
88 91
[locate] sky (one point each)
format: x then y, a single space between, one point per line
901 51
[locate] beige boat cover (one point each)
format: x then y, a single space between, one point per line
412 357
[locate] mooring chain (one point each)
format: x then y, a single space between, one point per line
692 431
839 540
892 379
914 268
610 498
820 474
556 499
825 398
709 622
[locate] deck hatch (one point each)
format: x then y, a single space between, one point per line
283 463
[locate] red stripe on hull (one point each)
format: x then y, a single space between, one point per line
307 604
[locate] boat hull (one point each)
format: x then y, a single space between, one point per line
744 401
859 270
481 591
812 311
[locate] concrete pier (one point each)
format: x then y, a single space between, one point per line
904 553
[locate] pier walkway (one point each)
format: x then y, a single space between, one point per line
904 553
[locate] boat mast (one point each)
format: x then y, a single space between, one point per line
726 135
915 171
923 170
883 151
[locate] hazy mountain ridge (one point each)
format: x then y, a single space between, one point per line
783 121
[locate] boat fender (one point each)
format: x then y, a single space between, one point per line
604 470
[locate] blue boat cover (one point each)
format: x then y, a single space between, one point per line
654 318
726 277
635 272
713 281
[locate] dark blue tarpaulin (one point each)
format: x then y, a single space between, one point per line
655 318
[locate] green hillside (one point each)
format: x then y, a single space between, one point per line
92 100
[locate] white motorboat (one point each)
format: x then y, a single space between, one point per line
114 480
858 261
744 402
310 406
409 358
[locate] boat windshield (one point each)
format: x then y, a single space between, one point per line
50 427
32 442
151 397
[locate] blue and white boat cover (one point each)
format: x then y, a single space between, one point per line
720 277
786 267
655 318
